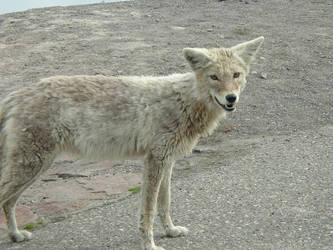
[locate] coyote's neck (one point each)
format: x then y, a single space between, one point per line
200 120
190 113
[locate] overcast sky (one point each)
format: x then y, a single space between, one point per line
7 6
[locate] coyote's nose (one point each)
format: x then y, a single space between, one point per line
231 98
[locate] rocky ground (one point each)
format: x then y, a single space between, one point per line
262 181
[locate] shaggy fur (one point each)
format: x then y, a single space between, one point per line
157 118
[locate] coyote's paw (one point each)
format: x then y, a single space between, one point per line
157 248
20 235
177 231
152 247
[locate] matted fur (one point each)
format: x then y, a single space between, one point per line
157 118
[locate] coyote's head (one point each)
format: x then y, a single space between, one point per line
221 72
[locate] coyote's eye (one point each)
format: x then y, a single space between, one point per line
214 77
236 74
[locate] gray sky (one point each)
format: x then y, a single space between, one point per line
7 6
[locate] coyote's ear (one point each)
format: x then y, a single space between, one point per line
197 58
248 50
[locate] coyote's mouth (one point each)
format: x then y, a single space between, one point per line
227 107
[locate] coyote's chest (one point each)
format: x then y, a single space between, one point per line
198 121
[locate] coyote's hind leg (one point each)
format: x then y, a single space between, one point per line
13 232
14 180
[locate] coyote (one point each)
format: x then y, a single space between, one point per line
117 117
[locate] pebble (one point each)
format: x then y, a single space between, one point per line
177 28
263 75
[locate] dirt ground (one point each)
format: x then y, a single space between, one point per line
289 89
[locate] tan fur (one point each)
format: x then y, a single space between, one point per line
157 118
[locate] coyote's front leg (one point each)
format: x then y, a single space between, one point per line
164 206
153 173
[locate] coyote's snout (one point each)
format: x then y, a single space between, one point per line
156 118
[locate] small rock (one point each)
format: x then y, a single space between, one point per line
254 72
263 75
177 28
